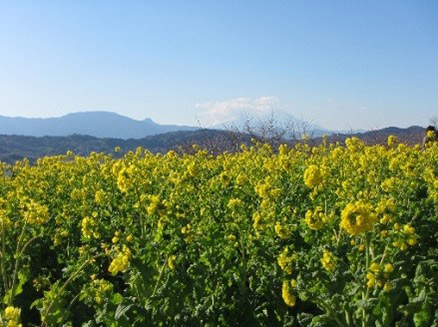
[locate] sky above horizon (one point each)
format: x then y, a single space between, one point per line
339 64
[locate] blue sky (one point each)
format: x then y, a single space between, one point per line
340 64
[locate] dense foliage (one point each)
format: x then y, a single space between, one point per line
324 236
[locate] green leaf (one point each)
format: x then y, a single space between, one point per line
121 310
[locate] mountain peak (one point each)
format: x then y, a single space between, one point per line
97 114
149 121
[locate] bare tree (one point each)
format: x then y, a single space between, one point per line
434 122
271 129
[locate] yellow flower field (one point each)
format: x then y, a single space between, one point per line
331 235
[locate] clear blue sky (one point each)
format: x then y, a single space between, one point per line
341 64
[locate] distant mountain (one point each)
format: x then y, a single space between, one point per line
94 123
410 135
17 147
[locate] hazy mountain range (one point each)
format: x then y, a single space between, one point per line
93 123
105 124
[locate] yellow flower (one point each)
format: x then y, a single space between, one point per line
408 229
186 229
262 190
121 262
287 295
87 227
285 260
371 280
281 231
387 287
328 260
232 237
403 247
392 140
293 283
13 316
192 168
412 240
357 218
99 197
312 176
431 135
36 213
153 205
171 262
256 220
12 313
4 220
240 179
233 204
375 267
315 220
389 268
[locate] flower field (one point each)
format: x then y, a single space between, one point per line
305 236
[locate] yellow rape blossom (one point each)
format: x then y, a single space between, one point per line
328 260
315 219
312 176
388 268
87 227
286 293
281 231
233 204
12 314
375 267
36 213
285 260
371 279
171 262
121 262
392 140
387 287
357 218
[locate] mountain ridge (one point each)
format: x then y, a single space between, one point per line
16 147
102 124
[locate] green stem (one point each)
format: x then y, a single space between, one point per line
333 315
17 261
367 292
140 204
159 278
67 282
17 265
347 317
69 307
3 254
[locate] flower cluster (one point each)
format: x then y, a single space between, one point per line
357 218
12 315
121 261
328 260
